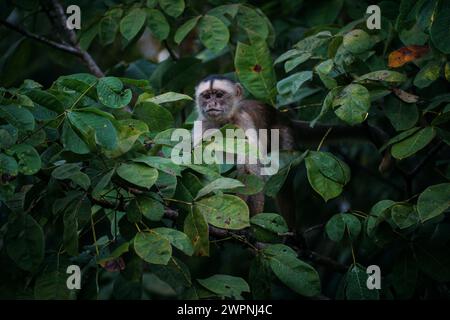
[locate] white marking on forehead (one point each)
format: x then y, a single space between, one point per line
223 85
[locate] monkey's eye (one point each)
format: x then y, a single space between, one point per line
219 95
206 96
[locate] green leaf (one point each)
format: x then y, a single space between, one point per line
102 183
428 74
24 242
353 104
111 94
224 211
270 221
293 83
8 136
185 28
46 100
52 286
177 238
168 97
225 285
439 28
413 143
17 116
384 75
75 210
213 33
29 160
146 206
71 141
152 247
108 28
138 174
163 164
326 174
296 274
129 131
251 22
172 7
131 24
356 288
196 227
404 215
339 223
378 214
253 64
156 117
219 184
72 171
433 201
357 41
94 128
401 115
157 24
8 165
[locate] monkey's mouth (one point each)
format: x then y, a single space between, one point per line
214 112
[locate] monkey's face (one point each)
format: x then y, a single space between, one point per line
215 104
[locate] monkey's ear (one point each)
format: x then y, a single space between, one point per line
239 90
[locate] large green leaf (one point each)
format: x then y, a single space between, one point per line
433 201
224 211
439 28
24 242
357 41
157 24
172 7
52 286
109 25
17 116
152 247
413 143
94 128
71 141
177 238
156 117
357 285
146 206
185 28
138 174
111 94
225 285
129 131
340 223
270 221
219 184
254 69
214 33
160 163
131 24
196 227
352 104
29 160
296 274
326 174
402 115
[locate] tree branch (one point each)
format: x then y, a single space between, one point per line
41 39
58 19
56 10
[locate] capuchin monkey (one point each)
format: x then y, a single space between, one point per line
220 101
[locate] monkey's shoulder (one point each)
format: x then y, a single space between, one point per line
263 115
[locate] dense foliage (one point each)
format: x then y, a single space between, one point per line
86 177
